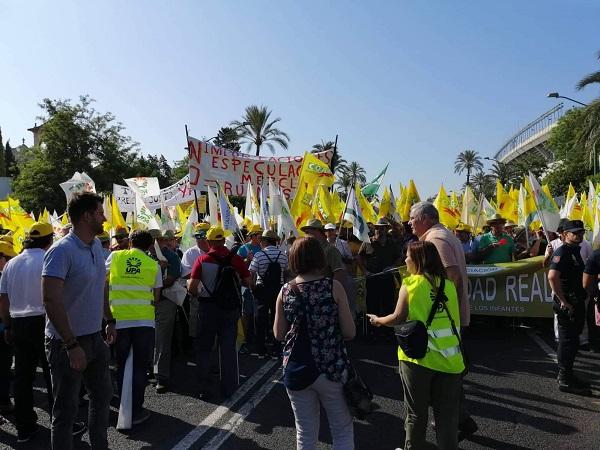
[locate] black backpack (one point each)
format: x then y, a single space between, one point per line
270 281
227 292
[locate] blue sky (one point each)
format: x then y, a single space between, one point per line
411 83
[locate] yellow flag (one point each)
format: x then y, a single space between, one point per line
513 212
447 214
116 216
570 193
44 216
315 172
301 206
411 197
18 239
386 204
367 209
322 208
546 191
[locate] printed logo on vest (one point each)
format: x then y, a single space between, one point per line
133 265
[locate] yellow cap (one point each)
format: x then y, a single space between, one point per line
7 237
255 229
463 227
202 226
7 249
215 234
40 229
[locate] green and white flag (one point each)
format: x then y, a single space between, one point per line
354 216
371 188
547 211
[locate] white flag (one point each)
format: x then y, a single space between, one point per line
79 182
212 207
228 220
547 211
274 200
354 216
264 209
285 221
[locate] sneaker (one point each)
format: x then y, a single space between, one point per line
79 428
25 436
141 417
244 350
466 429
161 387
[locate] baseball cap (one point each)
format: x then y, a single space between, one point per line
200 230
215 234
329 226
40 229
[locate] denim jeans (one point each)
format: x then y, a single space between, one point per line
28 335
141 339
216 322
306 406
423 387
66 384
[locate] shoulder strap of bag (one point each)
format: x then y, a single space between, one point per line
221 262
453 326
436 302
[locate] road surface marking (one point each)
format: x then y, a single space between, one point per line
545 347
194 435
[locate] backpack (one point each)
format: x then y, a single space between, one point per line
270 281
227 292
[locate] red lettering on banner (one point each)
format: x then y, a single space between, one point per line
287 193
259 180
183 190
246 178
215 160
194 176
225 163
227 188
256 169
193 152
236 162
214 150
271 168
239 190
246 163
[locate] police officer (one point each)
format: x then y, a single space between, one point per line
565 277
134 282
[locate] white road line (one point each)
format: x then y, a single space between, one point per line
545 347
209 421
237 419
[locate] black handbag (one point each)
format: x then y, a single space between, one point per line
358 395
412 335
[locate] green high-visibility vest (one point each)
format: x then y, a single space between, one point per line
443 349
131 283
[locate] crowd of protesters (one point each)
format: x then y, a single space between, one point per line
74 303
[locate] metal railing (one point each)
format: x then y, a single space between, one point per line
531 129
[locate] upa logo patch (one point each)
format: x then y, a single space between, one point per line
556 259
133 265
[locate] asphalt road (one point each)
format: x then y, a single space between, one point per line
511 393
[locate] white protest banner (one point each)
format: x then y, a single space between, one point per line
79 182
233 170
144 186
172 195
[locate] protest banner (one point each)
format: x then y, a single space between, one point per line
517 289
79 182
209 164
175 194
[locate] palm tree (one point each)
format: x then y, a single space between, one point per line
338 164
482 184
357 172
590 136
257 129
468 160
503 173
344 182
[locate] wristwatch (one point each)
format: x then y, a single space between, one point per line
71 345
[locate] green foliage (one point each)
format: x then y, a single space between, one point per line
338 164
180 169
469 161
257 129
228 138
2 161
75 137
9 161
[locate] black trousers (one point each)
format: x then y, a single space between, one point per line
6 358
569 329
381 299
264 315
28 335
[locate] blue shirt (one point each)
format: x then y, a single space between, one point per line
246 248
81 266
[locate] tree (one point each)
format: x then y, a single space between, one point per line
9 161
257 128
592 78
590 133
75 137
357 172
483 183
468 160
180 169
344 183
228 138
503 173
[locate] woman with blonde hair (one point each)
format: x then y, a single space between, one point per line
434 379
313 319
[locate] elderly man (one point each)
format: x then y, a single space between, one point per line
424 220
496 246
340 244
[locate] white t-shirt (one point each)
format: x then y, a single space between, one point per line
189 258
22 282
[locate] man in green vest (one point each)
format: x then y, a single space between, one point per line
134 282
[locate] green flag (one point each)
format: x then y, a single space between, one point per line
371 188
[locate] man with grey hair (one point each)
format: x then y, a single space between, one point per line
425 222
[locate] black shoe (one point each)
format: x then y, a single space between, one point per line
244 350
79 428
572 387
25 436
141 417
466 429
161 387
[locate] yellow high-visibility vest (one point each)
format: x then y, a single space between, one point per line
131 283
443 349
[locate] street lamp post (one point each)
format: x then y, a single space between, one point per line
556 95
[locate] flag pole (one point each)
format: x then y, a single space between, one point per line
331 167
478 211
187 139
537 208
